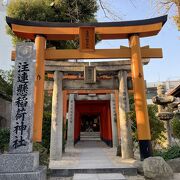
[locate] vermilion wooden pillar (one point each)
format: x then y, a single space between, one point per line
40 43
142 118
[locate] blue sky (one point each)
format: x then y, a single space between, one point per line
168 39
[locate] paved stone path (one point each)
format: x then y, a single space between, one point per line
91 154
94 154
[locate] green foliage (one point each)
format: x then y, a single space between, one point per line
46 132
44 146
176 127
30 10
6 83
169 153
156 126
43 155
7 75
47 102
53 11
4 139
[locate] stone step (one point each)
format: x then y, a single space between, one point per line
108 176
90 138
90 133
67 172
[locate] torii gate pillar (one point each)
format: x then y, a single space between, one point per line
142 119
40 42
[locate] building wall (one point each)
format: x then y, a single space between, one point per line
5 113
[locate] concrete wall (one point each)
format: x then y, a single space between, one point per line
5 113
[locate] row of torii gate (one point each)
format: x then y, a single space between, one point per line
54 60
113 85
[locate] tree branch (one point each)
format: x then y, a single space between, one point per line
108 12
103 8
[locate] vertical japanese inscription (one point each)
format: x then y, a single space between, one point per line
22 104
87 39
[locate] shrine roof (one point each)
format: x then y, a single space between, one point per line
69 31
175 92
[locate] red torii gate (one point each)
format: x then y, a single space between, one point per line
132 30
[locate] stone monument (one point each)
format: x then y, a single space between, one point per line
21 162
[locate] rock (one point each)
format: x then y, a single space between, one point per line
157 168
174 164
139 166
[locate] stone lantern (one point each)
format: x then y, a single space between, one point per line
164 112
